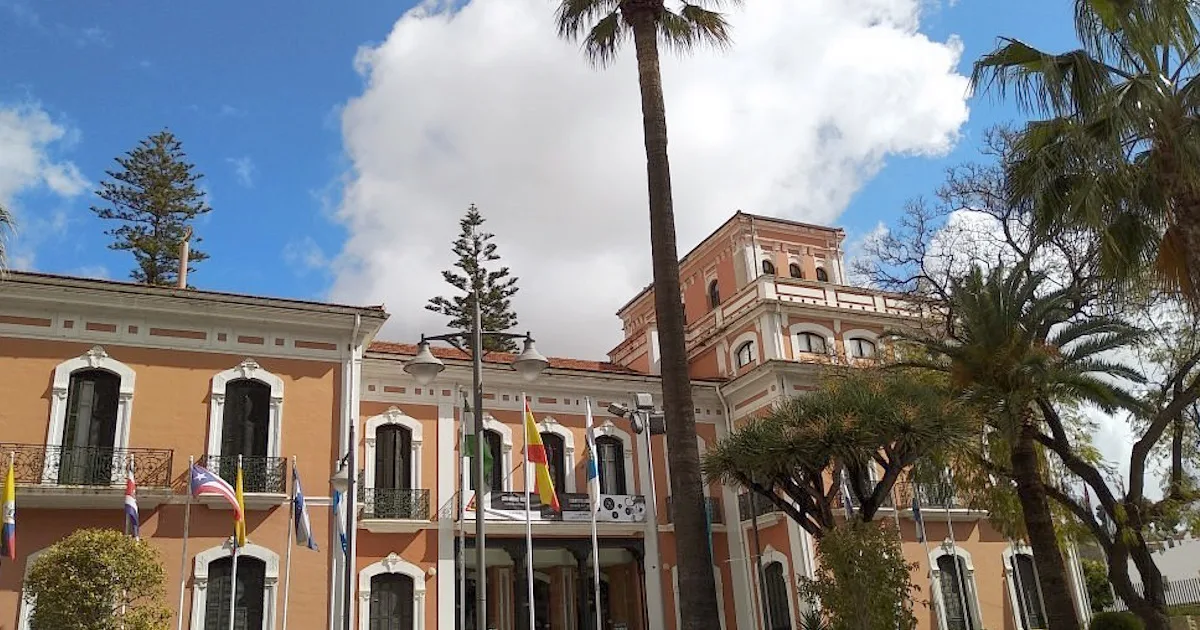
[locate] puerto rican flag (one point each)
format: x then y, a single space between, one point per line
206 483
132 524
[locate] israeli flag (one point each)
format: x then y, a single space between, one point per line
304 535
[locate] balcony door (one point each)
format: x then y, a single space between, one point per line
391 602
90 428
247 606
611 455
245 424
393 494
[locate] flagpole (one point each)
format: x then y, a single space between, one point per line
962 594
187 519
287 562
233 569
462 516
528 515
594 501
934 592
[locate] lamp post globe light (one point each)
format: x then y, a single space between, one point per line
425 367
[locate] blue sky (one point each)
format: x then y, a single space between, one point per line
255 93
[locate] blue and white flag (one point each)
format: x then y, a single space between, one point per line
304 535
132 522
339 518
593 470
846 496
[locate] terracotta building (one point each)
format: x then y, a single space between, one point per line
97 377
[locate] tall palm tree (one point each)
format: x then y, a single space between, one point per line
1010 341
604 25
1116 149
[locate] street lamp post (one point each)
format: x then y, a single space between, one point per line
343 481
424 367
643 418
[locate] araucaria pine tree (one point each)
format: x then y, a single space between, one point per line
495 288
154 197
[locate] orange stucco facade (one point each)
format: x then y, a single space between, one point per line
165 375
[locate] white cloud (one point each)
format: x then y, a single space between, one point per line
28 141
305 255
790 122
243 170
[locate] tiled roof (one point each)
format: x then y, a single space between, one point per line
442 352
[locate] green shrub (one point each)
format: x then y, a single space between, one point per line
1116 621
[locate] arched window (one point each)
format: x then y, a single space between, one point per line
795 271
778 615
1029 596
768 268
249 600
89 431
745 354
610 453
391 602
811 342
822 275
714 294
245 427
494 442
556 458
860 348
957 599
392 493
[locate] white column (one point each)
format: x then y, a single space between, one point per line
740 567
654 585
447 474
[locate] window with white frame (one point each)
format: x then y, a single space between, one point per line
610 455
245 420
1024 585
822 275
90 412
777 615
391 595
745 354
956 591
811 343
795 271
768 268
253 606
393 470
860 347
714 294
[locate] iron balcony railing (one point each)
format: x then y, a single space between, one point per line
929 495
266 475
761 505
37 464
408 504
712 504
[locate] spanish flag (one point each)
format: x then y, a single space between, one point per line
535 453
239 523
8 531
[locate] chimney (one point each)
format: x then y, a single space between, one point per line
183 257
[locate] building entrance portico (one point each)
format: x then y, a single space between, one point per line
563 589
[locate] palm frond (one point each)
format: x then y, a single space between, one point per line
604 40
574 18
1046 83
693 26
